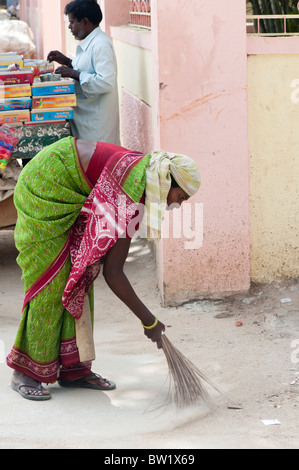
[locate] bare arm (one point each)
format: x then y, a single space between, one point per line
121 287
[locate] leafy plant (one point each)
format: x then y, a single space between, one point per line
275 7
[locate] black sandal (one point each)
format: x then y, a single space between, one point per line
82 383
28 396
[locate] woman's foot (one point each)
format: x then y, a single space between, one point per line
29 388
92 380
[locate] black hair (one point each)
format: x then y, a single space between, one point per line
89 9
174 184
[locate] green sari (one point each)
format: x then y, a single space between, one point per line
61 234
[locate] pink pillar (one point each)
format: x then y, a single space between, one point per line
52 25
200 79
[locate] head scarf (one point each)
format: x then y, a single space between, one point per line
158 183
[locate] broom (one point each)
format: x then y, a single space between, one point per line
186 380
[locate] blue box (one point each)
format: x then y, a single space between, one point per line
53 88
10 104
51 114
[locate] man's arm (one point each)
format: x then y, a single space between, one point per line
102 79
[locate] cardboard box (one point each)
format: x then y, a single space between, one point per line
8 58
66 86
39 66
8 213
51 114
11 117
15 91
11 104
54 101
16 77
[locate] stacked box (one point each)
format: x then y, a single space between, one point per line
10 58
11 104
11 117
15 91
48 89
15 101
15 87
39 66
39 109
65 86
16 77
51 114
53 100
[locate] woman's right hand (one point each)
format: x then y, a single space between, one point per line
155 334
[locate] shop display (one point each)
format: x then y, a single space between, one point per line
35 136
36 101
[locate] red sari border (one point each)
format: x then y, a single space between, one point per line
42 372
65 367
49 274
97 230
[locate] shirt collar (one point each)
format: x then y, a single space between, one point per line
85 43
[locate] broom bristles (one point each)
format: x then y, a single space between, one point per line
186 387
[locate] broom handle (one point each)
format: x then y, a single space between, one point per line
84 334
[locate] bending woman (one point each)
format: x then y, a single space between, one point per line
78 201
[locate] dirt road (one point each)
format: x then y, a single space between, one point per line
256 364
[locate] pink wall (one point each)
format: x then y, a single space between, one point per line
52 21
115 12
199 61
46 20
54 15
201 96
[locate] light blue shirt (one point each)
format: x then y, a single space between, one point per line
96 116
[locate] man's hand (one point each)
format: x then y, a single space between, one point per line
68 72
56 56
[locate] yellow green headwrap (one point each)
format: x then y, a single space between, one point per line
158 182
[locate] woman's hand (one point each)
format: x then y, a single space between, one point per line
155 334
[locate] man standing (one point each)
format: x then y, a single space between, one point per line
94 69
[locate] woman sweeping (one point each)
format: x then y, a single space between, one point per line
78 201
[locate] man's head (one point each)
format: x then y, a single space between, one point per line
84 17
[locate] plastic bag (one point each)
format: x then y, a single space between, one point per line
9 137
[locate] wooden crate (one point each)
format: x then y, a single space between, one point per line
8 214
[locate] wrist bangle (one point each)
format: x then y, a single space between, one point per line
152 326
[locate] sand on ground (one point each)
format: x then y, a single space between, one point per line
255 364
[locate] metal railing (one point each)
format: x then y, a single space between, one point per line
140 13
272 25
